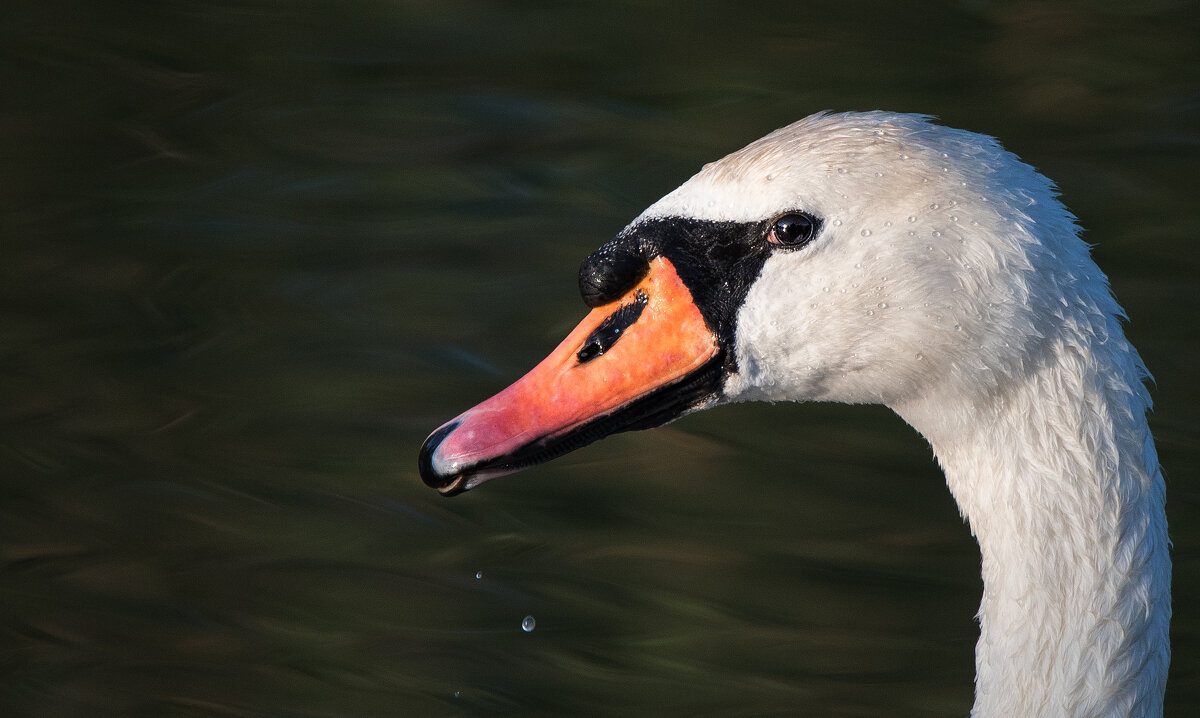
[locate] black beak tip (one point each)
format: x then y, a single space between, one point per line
430 475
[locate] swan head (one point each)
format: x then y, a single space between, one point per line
857 257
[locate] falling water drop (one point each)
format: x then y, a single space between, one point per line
528 624
478 575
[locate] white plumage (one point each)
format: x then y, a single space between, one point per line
950 284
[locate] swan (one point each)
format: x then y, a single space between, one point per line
881 257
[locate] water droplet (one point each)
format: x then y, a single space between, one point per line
841 170
837 223
883 305
878 174
771 177
854 285
903 157
933 206
953 218
945 169
858 265
929 247
458 694
920 357
842 290
528 624
825 289
936 233
870 312
947 156
912 233
478 575
911 218
958 327
865 233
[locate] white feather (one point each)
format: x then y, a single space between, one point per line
950 284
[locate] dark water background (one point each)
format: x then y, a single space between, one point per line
252 252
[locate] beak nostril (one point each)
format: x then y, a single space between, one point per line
590 351
612 328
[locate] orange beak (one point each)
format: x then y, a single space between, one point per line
634 363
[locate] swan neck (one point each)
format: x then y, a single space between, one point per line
1059 481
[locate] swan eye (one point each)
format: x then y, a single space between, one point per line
793 230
